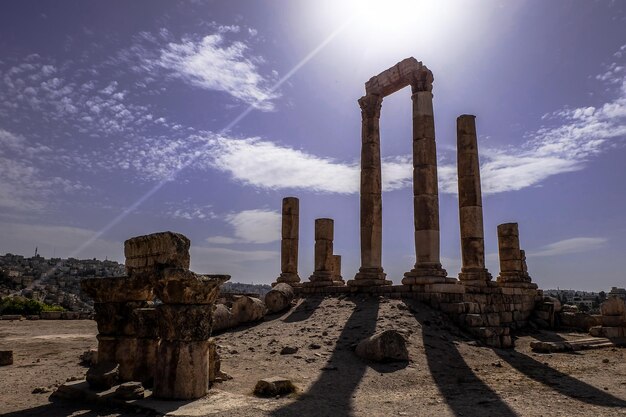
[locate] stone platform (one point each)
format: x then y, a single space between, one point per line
488 311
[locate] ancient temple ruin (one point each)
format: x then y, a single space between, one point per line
166 345
488 309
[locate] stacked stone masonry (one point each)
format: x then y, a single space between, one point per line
613 319
168 346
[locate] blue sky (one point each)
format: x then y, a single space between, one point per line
125 118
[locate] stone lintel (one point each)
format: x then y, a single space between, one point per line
395 78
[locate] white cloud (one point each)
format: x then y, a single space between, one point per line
23 185
251 226
222 240
570 246
265 164
213 64
256 226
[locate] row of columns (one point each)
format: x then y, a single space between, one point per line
427 267
327 265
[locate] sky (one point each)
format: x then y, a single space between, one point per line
120 118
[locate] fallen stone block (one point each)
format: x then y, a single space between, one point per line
387 346
103 376
279 298
271 387
248 309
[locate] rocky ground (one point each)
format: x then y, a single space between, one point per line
448 374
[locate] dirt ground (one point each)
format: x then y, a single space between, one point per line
448 374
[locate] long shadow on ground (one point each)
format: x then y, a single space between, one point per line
331 394
68 408
558 381
305 309
464 392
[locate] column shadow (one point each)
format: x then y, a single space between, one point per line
558 381
58 408
331 394
464 392
304 309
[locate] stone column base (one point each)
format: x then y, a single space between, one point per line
508 278
425 274
288 278
322 283
474 274
369 277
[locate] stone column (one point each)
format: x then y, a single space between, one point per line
185 320
470 202
337 269
512 259
323 273
120 339
371 270
425 188
289 242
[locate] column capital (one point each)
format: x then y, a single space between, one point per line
370 105
422 81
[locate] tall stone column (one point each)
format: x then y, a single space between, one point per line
470 202
371 270
289 242
425 188
323 273
513 271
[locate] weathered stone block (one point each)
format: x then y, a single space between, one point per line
613 307
117 318
181 286
184 322
157 250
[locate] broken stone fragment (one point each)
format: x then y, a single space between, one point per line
89 357
103 376
180 286
157 251
279 298
271 387
386 346
6 357
130 391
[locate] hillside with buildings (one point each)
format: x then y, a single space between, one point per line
53 281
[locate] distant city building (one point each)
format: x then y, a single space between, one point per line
618 292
